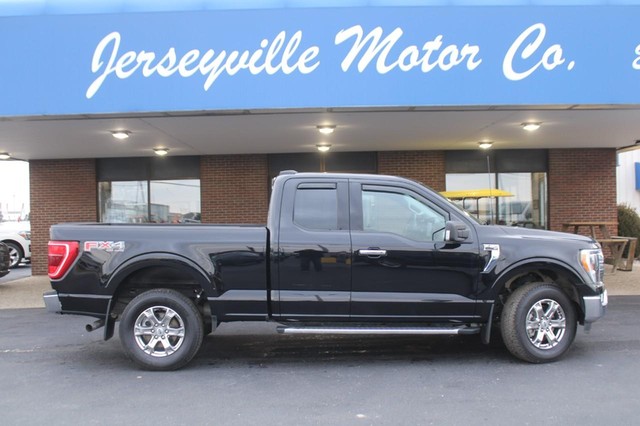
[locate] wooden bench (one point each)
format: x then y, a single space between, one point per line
602 226
616 246
627 265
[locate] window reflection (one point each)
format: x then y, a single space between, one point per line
481 208
316 209
527 207
167 201
124 202
175 201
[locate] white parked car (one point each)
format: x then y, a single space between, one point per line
17 236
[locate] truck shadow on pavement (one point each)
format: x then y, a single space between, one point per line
265 350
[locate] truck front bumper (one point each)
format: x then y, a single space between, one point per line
52 302
595 306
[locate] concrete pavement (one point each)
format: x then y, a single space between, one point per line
27 292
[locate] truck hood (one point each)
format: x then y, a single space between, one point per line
539 234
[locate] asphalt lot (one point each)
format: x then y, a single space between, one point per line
53 372
22 271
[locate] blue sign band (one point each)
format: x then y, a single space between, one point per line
327 57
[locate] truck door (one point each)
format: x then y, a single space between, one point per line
402 268
314 251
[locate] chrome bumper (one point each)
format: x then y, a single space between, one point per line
52 302
594 306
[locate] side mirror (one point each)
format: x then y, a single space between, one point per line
455 232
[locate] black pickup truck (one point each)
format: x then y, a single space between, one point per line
341 254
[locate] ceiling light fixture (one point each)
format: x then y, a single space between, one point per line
121 134
485 144
161 151
326 129
5 156
531 126
323 147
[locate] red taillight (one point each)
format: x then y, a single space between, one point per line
62 254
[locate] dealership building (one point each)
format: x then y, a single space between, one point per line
181 112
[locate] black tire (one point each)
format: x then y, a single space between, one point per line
15 254
551 318
161 345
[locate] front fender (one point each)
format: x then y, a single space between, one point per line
495 282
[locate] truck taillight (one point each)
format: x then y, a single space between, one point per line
62 254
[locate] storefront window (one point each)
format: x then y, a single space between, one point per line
170 201
124 202
175 201
521 175
528 205
525 205
149 190
480 208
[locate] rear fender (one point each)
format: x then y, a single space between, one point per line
150 261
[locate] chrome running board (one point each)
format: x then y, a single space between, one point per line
379 330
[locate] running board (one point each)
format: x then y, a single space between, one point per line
379 330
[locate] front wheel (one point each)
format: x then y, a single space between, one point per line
161 330
538 323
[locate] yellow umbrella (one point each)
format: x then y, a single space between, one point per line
476 193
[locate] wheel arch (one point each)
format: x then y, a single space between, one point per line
157 270
9 240
539 270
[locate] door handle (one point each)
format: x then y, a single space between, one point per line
372 253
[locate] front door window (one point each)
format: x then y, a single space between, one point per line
402 215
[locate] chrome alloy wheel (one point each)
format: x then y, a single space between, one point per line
15 256
159 331
546 324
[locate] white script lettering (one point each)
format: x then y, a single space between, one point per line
281 56
636 62
373 47
551 58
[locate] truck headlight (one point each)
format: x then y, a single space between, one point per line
25 234
592 261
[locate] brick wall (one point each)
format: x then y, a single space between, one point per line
582 186
424 166
61 191
234 188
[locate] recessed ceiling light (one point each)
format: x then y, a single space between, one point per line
161 151
531 126
326 129
485 144
323 147
5 156
120 134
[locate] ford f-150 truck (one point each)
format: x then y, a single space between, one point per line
340 254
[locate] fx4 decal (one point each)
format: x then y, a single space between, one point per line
108 246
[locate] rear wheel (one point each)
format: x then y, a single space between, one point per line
538 323
161 330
